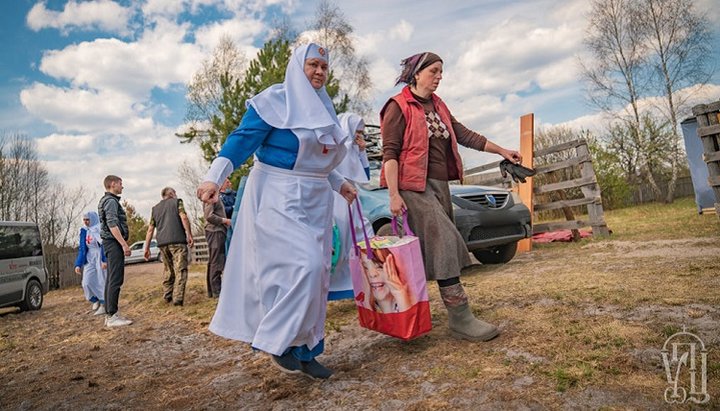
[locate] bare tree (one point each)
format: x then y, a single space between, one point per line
617 75
190 178
28 193
332 29
680 40
205 91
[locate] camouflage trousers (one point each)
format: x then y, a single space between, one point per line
175 259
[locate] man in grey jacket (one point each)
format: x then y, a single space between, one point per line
173 238
216 225
114 234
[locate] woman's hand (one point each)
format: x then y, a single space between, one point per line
511 155
348 191
398 288
397 205
208 192
77 270
103 266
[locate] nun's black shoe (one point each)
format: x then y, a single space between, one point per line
315 370
287 363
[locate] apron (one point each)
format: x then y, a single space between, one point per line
340 280
277 272
93 279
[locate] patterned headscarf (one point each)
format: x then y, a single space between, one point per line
414 64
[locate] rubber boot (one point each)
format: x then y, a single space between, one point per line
461 321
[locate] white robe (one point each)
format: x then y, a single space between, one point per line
277 272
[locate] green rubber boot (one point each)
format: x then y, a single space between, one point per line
461 321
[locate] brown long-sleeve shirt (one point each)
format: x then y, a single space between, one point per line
393 126
214 217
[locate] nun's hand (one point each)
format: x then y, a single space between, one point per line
208 192
348 191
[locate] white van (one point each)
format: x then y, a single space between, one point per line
23 276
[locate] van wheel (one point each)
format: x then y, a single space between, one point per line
33 296
496 255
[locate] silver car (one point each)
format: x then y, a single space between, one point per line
137 252
23 276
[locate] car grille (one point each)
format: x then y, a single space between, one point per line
489 233
485 200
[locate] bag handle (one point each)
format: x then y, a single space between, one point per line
406 226
368 247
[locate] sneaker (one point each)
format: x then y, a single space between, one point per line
100 310
315 370
287 363
116 321
95 305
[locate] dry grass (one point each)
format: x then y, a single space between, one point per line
583 325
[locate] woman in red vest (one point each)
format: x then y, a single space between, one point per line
420 155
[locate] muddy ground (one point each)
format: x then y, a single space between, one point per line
583 326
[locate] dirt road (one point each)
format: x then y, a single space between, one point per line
583 326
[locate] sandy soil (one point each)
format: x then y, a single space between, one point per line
62 357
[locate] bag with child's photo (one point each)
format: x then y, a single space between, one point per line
389 283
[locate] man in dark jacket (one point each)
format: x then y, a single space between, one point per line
173 238
114 234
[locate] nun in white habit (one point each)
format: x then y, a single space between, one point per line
277 273
354 168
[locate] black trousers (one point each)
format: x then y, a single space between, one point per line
115 274
216 261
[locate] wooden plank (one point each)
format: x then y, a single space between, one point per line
708 130
480 169
559 147
701 109
562 164
525 190
714 181
714 156
563 185
567 203
559 225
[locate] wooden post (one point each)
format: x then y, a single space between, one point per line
527 136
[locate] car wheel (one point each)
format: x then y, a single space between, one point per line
384 230
496 255
33 296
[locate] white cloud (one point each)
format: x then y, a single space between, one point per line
242 31
159 58
62 145
102 15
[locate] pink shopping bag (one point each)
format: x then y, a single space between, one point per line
389 283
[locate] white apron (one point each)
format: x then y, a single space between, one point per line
276 279
93 279
340 279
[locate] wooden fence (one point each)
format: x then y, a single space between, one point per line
708 120
563 191
199 251
61 270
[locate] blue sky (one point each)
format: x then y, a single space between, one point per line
100 85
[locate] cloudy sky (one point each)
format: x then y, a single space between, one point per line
100 85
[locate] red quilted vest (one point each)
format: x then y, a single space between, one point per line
413 161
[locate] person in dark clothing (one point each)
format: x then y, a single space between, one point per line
114 233
227 196
216 227
173 237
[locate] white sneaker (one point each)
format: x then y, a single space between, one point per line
100 310
116 321
95 305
